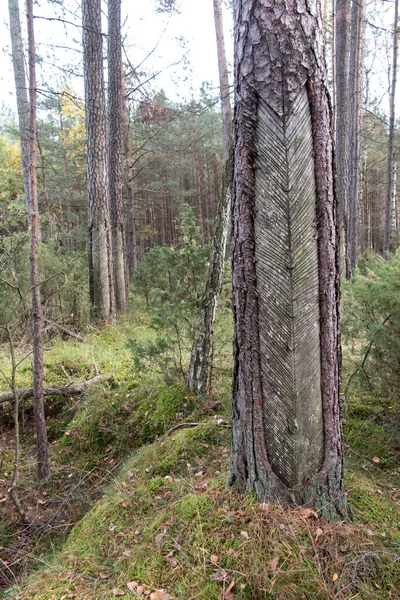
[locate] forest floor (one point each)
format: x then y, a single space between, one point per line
138 503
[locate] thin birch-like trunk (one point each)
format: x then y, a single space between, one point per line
43 466
198 378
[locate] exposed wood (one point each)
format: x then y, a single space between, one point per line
72 389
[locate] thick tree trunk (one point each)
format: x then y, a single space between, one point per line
342 57
100 252
200 360
43 467
115 150
22 96
286 430
389 173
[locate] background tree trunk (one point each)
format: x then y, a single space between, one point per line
390 162
115 150
200 360
130 207
342 58
286 429
98 212
22 96
43 467
354 129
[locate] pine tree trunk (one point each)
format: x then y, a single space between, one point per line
22 96
342 57
389 173
200 360
43 467
286 431
100 252
115 150
354 129
130 206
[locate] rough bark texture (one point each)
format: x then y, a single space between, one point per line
22 96
342 57
390 162
115 150
43 467
284 224
98 211
198 378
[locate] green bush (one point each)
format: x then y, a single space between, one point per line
172 281
371 313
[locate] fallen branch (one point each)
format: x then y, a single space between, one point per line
66 390
68 332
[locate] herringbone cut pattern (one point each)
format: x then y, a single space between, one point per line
288 286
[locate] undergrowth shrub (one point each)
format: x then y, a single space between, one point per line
371 313
171 280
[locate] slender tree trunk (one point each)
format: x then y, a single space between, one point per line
22 96
43 467
390 162
200 360
100 251
115 149
130 206
356 63
342 65
223 78
286 430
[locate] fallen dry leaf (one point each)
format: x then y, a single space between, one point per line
244 535
103 576
132 585
159 595
376 459
319 532
308 513
214 559
118 592
219 576
274 563
335 577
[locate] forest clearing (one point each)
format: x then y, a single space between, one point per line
199 301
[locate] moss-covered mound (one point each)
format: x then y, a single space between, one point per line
170 523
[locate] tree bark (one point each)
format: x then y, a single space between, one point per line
130 206
22 96
115 150
354 129
99 239
390 162
223 78
43 467
342 58
286 430
200 360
